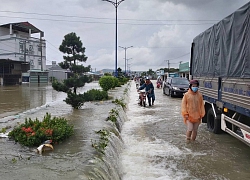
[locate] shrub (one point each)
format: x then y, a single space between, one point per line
34 133
106 82
75 100
103 141
123 80
113 114
120 102
116 82
95 95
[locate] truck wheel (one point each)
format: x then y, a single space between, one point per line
213 124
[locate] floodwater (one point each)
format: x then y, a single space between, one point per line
68 160
156 148
16 99
152 142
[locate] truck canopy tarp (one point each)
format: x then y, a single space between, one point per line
223 50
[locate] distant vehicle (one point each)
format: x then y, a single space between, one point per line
175 86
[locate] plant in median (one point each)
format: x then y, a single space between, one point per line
95 95
120 102
113 114
35 132
107 82
74 52
103 141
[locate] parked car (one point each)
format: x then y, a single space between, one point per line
175 86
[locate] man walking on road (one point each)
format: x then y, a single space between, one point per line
192 109
148 85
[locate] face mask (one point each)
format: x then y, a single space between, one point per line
194 89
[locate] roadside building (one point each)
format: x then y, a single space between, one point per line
55 71
22 57
184 70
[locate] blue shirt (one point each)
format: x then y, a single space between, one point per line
148 87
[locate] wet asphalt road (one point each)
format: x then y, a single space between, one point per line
154 140
156 147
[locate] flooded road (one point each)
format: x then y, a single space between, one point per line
69 159
156 148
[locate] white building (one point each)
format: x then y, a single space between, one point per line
20 54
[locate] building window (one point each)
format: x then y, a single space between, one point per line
21 47
39 61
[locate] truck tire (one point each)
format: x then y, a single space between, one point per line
213 123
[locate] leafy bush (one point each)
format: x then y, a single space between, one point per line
34 133
59 86
113 114
116 82
95 95
123 80
103 142
106 82
120 102
75 100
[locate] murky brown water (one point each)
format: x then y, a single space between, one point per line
16 99
154 139
156 147
68 159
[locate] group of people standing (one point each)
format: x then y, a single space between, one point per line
192 106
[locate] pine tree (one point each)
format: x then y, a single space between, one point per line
74 52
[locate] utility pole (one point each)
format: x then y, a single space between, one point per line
24 55
125 48
168 65
127 63
116 4
41 35
129 66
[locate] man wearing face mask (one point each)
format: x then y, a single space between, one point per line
192 109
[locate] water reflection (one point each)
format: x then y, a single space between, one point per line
15 99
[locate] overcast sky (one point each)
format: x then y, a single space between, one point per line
158 30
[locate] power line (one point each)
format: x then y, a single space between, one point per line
162 63
177 57
89 22
89 17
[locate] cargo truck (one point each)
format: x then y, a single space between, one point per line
220 60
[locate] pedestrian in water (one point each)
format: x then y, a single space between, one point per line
149 88
192 109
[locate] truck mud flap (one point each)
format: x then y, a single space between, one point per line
243 128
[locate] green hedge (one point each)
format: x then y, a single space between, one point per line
107 82
95 95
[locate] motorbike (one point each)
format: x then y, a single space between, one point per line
142 98
159 84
